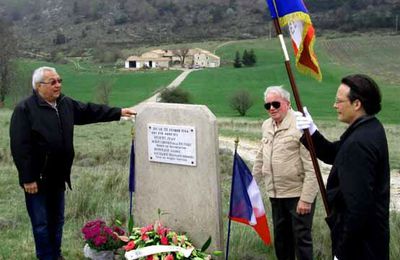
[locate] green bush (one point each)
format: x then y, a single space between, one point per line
175 95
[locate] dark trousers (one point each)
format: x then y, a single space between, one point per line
46 211
292 232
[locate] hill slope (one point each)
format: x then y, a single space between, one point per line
66 24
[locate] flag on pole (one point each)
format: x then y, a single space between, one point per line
131 181
246 203
295 14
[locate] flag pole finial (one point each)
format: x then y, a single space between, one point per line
236 142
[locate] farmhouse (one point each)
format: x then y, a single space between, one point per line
147 60
203 58
164 59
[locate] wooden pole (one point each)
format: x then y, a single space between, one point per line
300 108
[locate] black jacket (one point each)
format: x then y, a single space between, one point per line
42 137
358 190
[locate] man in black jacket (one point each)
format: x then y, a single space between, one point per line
358 187
41 133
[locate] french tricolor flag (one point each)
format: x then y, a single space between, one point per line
246 204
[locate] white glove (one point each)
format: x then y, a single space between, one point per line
335 258
305 121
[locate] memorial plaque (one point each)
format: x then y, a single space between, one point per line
172 144
168 138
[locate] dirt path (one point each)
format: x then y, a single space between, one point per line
248 150
223 44
175 83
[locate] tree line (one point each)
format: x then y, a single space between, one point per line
248 59
75 23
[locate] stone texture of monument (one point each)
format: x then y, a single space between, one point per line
177 170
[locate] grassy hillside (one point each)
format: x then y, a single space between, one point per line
372 55
213 87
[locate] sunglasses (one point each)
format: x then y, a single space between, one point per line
275 104
52 82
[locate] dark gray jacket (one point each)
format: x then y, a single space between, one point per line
42 137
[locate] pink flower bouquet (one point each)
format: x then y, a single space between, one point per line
101 237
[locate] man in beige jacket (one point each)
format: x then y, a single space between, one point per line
289 176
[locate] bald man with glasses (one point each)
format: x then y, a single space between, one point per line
41 139
289 177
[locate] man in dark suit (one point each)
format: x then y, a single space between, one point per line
358 187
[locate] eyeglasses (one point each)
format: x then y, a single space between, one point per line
52 82
338 101
275 104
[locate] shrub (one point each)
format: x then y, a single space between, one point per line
57 57
60 39
175 95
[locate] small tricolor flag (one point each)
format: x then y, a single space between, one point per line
132 168
246 202
131 179
295 14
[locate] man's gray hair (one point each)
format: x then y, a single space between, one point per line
38 75
277 90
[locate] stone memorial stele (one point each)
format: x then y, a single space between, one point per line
177 171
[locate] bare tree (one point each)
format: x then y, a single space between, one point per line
241 101
7 53
181 53
22 85
103 91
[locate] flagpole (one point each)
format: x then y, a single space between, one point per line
300 108
230 203
131 185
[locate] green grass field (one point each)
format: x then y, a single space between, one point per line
100 190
